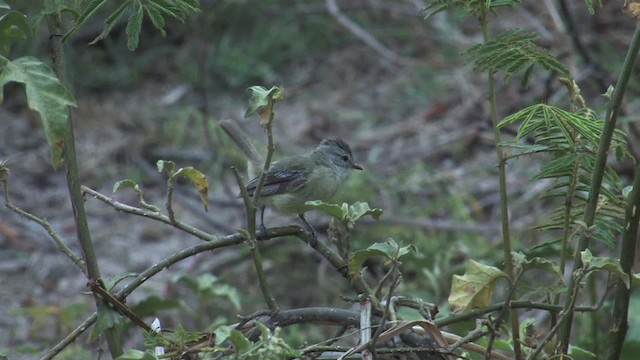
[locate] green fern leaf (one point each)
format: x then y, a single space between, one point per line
134 26
473 7
190 5
513 52
90 8
545 119
112 20
170 8
559 167
156 19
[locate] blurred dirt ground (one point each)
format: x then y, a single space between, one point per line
438 125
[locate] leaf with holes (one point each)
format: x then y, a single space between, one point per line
474 288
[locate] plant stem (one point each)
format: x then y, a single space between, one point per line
578 274
504 205
252 207
619 320
611 120
55 25
253 245
48 228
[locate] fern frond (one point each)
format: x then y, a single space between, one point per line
473 7
559 167
513 52
545 119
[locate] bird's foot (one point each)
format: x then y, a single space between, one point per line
263 232
313 235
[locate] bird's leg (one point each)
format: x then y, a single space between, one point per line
314 234
263 229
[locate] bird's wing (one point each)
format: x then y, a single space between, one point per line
282 180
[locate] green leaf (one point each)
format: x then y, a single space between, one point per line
154 304
543 118
134 26
166 165
193 5
474 288
525 149
346 213
340 212
360 209
605 263
4 5
513 52
579 353
210 285
224 333
126 183
262 101
133 354
473 7
197 179
198 284
536 263
156 19
558 167
390 250
86 13
155 9
45 94
167 9
107 318
113 19
14 27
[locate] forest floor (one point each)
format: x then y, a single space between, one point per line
429 124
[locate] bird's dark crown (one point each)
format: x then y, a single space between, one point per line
338 142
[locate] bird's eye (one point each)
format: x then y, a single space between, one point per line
345 158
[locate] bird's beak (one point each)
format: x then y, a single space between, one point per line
356 166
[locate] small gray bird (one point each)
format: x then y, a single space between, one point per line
316 175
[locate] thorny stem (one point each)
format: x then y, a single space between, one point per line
55 25
610 122
619 318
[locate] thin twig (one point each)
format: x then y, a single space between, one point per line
505 310
77 260
521 304
149 214
356 281
568 315
71 337
471 336
97 288
169 202
394 283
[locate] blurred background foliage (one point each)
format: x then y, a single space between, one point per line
420 127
